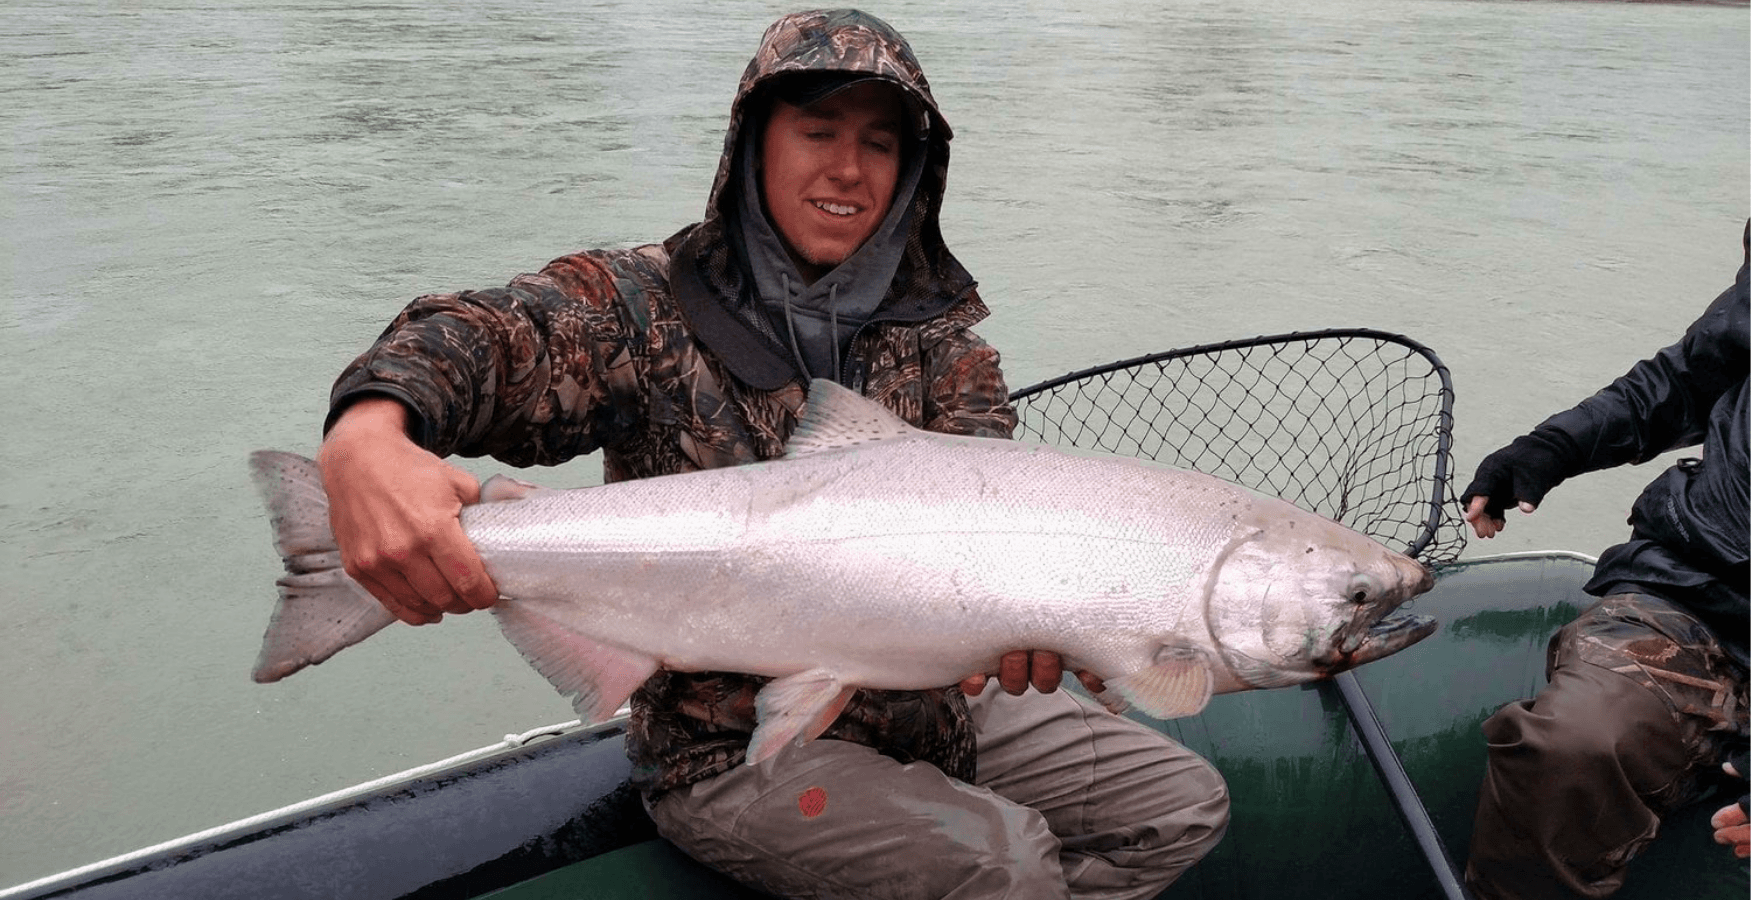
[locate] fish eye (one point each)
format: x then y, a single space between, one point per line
1361 588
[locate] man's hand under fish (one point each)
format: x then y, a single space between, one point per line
1021 669
394 508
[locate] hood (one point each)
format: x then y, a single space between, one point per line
710 280
843 40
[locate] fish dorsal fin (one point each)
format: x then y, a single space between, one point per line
836 418
1178 683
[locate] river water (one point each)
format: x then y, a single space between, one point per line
209 207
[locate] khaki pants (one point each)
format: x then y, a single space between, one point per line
1070 801
1641 707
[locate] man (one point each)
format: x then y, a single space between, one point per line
819 256
1648 690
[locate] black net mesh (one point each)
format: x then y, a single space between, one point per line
1350 424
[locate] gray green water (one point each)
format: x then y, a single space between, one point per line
209 207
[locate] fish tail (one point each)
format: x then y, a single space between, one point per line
320 610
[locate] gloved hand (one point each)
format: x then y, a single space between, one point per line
1522 472
1731 824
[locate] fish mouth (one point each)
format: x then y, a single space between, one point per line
1387 636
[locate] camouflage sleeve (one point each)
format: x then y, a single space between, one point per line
534 373
965 392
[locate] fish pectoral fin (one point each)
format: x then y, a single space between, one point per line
795 708
595 676
1179 683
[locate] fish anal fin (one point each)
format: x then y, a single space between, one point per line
1178 683
597 677
796 708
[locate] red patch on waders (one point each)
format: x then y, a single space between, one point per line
813 802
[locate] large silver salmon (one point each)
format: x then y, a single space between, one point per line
878 555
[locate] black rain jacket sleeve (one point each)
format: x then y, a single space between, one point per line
1690 540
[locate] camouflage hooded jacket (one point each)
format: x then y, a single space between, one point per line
660 357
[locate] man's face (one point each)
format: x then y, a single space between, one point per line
829 172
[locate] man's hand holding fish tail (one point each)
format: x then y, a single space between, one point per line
394 507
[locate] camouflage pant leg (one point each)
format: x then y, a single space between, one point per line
1641 706
1676 657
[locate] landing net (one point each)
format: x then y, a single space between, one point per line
1351 424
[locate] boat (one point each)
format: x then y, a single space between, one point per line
1358 786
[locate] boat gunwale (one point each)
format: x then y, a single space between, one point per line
220 836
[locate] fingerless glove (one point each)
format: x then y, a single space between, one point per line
1525 470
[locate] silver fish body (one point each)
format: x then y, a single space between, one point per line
878 555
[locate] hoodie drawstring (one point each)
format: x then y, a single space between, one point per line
834 333
792 330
